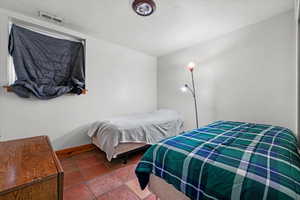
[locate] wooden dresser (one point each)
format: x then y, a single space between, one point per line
30 170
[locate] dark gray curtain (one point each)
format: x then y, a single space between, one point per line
46 67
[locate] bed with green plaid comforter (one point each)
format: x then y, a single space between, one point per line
227 160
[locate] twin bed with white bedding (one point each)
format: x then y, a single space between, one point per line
119 135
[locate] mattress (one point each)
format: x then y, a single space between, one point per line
146 128
227 160
163 190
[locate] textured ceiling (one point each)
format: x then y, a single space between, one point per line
176 24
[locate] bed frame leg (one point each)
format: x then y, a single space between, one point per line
125 160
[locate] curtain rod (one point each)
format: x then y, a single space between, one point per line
46 31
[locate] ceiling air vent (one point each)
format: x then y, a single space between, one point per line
50 17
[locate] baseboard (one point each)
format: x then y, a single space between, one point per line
68 152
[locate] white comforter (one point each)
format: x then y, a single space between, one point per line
147 128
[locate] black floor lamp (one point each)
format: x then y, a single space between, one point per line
191 66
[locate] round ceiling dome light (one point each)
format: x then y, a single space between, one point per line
144 7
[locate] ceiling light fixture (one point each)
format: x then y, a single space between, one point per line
143 7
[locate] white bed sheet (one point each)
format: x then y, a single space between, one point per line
148 128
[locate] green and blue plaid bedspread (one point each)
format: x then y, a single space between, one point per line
227 160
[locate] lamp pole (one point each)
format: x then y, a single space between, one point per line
191 68
195 98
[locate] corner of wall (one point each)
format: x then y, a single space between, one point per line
3 49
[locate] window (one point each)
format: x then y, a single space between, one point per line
43 63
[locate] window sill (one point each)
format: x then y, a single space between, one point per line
9 89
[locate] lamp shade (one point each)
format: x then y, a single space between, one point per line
191 66
183 89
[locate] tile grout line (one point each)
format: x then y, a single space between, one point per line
132 191
112 170
91 191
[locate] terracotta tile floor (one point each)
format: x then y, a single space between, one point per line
89 176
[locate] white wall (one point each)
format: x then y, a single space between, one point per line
247 75
119 81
